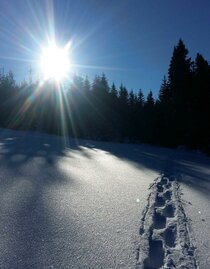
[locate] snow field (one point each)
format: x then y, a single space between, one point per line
77 204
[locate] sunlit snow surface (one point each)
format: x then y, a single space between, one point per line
79 204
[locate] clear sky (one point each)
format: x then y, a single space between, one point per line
131 41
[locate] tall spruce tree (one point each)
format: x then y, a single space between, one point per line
200 101
179 75
164 114
123 111
140 116
132 116
149 118
113 112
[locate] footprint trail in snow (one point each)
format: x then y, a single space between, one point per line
165 240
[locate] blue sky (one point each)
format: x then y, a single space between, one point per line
131 41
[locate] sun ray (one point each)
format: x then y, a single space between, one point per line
100 67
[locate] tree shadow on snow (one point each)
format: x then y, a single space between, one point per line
28 225
191 168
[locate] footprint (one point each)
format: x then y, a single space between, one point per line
168 211
170 237
163 181
159 201
159 188
167 195
159 221
162 238
168 186
171 179
156 255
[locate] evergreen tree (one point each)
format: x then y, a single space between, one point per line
164 115
7 98
165 95
141 99
149 118
100 100
123 96
150 102
85 108
123 111
200 104
113 92
132 116
104 86
179 75
114 112
140 121
86 88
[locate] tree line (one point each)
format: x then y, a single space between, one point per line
96 110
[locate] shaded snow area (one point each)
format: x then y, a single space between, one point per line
85 204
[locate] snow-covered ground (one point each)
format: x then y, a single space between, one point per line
79 204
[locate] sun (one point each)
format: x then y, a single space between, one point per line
54 62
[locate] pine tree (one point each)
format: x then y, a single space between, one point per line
165 95
104 86
140 118
164 114
200 111
100 100
86 87
141 99
179 75
113 92
149 118
123 111
150 100
85 109
132 116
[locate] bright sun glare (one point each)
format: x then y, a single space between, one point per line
54 62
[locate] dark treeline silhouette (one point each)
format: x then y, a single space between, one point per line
183 107
180 115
